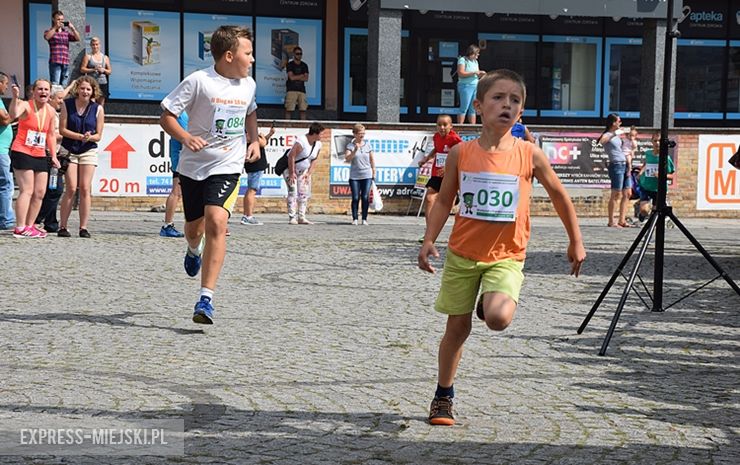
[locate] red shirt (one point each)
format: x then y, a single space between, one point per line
442 146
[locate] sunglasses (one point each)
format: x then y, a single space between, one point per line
298 54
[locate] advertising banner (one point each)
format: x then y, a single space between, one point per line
144 50
134 161
717 182
39 20
197 37
275 40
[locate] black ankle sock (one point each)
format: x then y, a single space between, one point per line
445 391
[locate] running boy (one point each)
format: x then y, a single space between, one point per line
220 101
488 242
444 139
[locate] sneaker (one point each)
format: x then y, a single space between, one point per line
34 233
169 230
84 233
354 222
191 263
303 220
440 412
203 312
18 232
293 220
63 233
365 223
250 220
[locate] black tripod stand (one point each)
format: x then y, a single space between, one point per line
656 221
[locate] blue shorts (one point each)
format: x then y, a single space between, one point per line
620 178
253 180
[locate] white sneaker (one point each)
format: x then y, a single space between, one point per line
365 223
250 220
354 222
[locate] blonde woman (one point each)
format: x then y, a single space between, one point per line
81 126
361 171
28 155
97 65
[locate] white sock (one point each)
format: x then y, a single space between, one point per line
205 292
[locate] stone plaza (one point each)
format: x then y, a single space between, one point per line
324 348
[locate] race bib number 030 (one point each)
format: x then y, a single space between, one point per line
489 196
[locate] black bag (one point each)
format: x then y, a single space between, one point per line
282 164
735 159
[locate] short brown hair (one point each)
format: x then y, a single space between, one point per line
489 79
90 80
226 38
315 128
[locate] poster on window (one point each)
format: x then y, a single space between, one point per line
39 18
276 40
717 181
197 32
144 50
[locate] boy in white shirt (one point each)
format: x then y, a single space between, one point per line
221 103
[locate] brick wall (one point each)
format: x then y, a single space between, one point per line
588 202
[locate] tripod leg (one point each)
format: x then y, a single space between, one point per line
703 251
648 226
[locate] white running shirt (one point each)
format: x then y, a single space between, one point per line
218 108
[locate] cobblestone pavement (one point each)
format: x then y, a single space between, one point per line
324 348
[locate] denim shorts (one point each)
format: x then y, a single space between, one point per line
620 178
253 180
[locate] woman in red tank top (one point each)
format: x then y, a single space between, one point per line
28 154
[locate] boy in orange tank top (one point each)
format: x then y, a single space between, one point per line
488 242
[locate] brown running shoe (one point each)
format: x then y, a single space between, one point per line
440 412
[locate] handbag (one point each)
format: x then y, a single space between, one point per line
377 202
282 164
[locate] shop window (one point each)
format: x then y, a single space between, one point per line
733 81
698 79
517 52
622 77
355 69
570 76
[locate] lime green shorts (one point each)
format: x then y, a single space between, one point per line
462 278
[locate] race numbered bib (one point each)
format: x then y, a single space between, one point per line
489 196
228 121
440 160
651 170
35 139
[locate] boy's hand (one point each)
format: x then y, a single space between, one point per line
427 249
194 143
576 256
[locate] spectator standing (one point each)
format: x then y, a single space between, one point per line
254 167
301 162
467 81
59 35
619 174
169 230
295 86
81 125
7 216
48 213
28 154
361 171
97 65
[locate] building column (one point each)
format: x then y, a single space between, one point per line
651 90
384 63
74 12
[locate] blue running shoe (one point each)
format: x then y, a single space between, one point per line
203 313
169 230
192 263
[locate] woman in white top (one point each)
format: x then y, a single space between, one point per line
97 65
301 162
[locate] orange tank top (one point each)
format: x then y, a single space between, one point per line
33 131
493 241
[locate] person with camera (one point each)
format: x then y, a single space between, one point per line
81 125
59 35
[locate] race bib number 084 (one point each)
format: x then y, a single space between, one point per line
489 196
